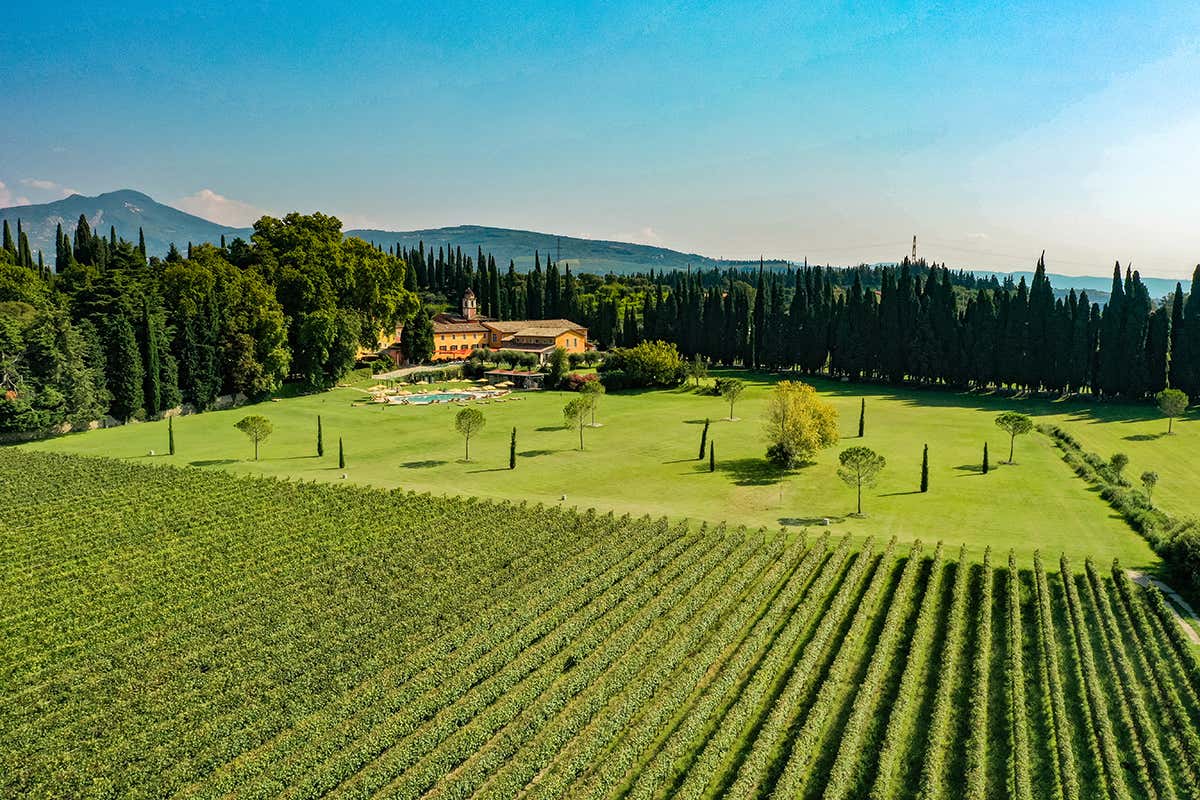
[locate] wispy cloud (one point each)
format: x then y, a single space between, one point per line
219 208
646 235
7 198
44 185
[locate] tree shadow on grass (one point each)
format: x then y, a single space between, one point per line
750 471
803 522
549 428
423 464
536 453
1144 437
214 462
899 494
492 469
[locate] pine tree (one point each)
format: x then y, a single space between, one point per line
925 469
712 457
171 435
986 466
703 440
512 450
320 438
862 417
341 454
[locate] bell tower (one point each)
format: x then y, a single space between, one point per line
468 304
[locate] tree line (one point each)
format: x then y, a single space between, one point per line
913 321
105 329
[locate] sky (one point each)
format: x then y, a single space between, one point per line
827 131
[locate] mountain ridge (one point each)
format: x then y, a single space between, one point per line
129 209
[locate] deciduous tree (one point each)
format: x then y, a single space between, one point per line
468 422
860 466
257 428
798 423
1172 403
1014 424
575 414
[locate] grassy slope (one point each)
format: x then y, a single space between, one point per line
643 460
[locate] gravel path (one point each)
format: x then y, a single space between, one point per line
1142 579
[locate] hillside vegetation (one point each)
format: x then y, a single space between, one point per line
189 633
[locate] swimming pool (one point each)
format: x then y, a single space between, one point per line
433 397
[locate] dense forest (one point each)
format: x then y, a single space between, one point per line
104 330
910 322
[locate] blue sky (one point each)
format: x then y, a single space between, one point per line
822 130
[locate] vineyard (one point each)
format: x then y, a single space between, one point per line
192 633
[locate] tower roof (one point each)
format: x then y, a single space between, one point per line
468 293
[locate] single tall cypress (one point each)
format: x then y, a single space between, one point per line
171 435
320 438
925 469
862 417
152 389
512 450
986 466
712 457
703 440
341 454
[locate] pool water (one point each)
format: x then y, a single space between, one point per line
436 397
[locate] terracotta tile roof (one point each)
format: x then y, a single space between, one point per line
536 327
458 327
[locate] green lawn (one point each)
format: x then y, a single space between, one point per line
643 461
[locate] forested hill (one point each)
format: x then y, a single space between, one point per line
127 211
582 255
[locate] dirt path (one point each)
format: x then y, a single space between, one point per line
1142 579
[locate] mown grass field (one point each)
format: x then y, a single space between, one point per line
197 634
643 461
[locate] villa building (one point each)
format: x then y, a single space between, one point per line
456 335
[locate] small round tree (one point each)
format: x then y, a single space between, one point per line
1117 463
1172 403
593 390
468 421
1149 481
575 414
860 466
1014 424
256 427
731 389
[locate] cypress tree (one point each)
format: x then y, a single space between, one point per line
925 469
142 243
512 450
341 454
124 368
1177 361
320 438
9 245
712 457
862 417
152 390
171 435
703 440
986 466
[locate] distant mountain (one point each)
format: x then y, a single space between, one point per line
582 255
129 210
126 210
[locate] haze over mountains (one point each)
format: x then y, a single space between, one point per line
128 210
